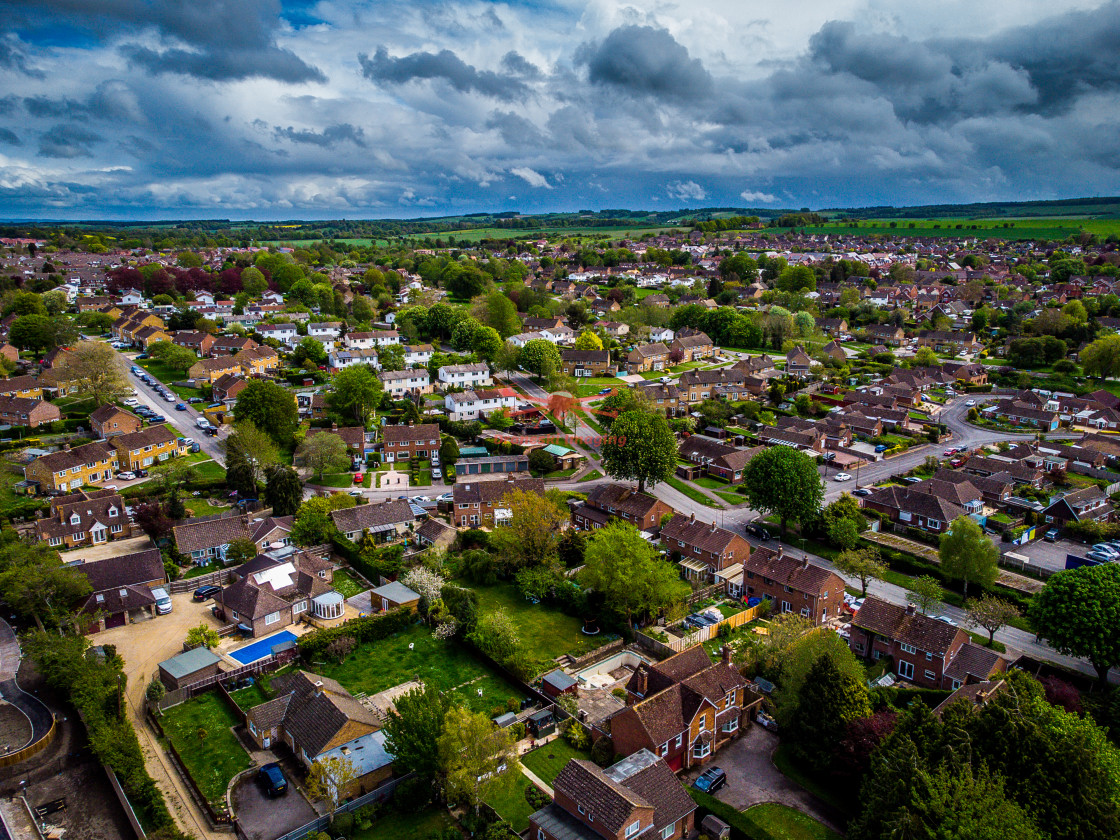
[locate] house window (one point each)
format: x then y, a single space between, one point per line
701 751
56 540
786 606
540 834
731 726
935 524
580 807
679 740
929 657
904 515
272 618
956 684
667 831
930 675
859 647
805 612
907 648
632 829
905 669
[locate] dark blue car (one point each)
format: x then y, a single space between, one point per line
271 778
710 780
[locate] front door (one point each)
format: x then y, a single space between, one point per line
385 603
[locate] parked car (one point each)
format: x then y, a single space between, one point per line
204 593
271 778
359 477
437 473
949 452
882 447
163 601
862 491
180 406
1107 549
211 431
132 402
1100 556
169 397
1051 535
194 400
126 475
141 473
357 494
970 402
945 619
194 447
710 780
911 479
842 477
756 529
604 391
157 418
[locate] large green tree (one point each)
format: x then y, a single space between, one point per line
313 524
1078 613
628 572
256 448
477 759
283 490
1102 357
322 452
533 534
967 554
829 699
356 391
414 726
861 563
270 407
540 357
785 482
36 585
640 447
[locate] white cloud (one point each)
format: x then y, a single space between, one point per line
530 177
760 197
687 191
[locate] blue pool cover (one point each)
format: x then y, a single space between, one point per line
262 647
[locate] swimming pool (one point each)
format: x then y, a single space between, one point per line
261 648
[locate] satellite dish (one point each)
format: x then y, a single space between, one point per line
410 645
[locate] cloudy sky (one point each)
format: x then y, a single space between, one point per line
348 108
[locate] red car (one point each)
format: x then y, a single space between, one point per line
359 478
949 452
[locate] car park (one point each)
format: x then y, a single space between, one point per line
204 593
842 477
271 778
710 780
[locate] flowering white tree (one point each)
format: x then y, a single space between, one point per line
425 583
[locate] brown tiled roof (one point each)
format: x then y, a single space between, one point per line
125 570
699 340
398 434
609 802
692 532
193 536
922 504
648 350
119 599
622 498
972 660
319 710
108 412
151 436
271 713
65 459
489 492
361 517
893 621
792 572
18 383
595 356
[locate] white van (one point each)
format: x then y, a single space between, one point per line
202 423
163 601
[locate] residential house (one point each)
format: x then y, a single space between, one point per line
637 797
835 350
213 369
474 502
1023 414
286 334
152 445
1086 504
617 501
490 464
21 411
121 588
693 347
325 331
199 342
474 375
401 443
226 389
208 538
647 357
69 469
86 517
109 420
662 334
258 362
27 387
584 363
792 584
230 345
404 383
695 386
279 588
835 327
885 334
798 363
704 549
615 329
353 436
470 405
417 355
950 343
930 505
684 709
717 458
339 359
384 522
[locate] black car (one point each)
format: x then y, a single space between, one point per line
271 778
205 592
710 780
755 529
861 491
211 431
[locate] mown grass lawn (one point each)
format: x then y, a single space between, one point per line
407 826
691 492
547 761
780 822
512 806
545 632
709 483
247 698
591 476
415 654
202 507
732 498
200 731
347 585
209 470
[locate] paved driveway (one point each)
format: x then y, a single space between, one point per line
265 819
752 779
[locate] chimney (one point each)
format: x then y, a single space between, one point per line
692 517
642 683
725 654
805 562
713 527
334 427
910 609
65 447
318 687
781 550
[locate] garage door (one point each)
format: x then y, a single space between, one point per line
117 620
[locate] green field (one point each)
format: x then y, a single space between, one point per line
547 761
476 234
200 729
512 806
1028 228
545 632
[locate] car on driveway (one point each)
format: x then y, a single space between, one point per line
710 780
1051 535
842 477
359 477
271 778
125 475
882 447
204 593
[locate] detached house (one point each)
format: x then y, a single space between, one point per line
401 443
470 405
277 589
647 357
86 517
684 708
384 522
109 420
122 588
1086 504
798 363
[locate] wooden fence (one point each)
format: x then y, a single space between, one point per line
31 749
263 666
218 578
701 634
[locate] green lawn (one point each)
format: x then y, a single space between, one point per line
394 826
592 386
200 731
347 585
547 761
168 377
691 492
732 498
209 470
247 698
710 483
512 806
376 666
340 480
201 507
563 473
781 822
545 632
591 476
199 571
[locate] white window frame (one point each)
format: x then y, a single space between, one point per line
731 726
668 830
701 750
930 675
907 648
272 618
633 828
680 739
906 669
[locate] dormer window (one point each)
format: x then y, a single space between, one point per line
75 519
632 829
112 512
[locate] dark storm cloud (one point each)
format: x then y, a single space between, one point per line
645 61
517 65
444 65
13 55
329 137
9 137
67 141
224 39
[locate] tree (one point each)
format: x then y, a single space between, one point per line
497 311
640 447
25 303
329 780
203 636
796 278
588 340
1078 613
180 359
36 585
249 444
311 350
863 563
487 343
827 702
313 524
991 613
33 332
496 635
270 407
1100 358
151 518
628 572
967 554
97 369
540 461
926 594
533 534
477 759
784 481
413 729
391 357
253 282
283 490
323 452
356 390
539 356
562 406
240 551
926 357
